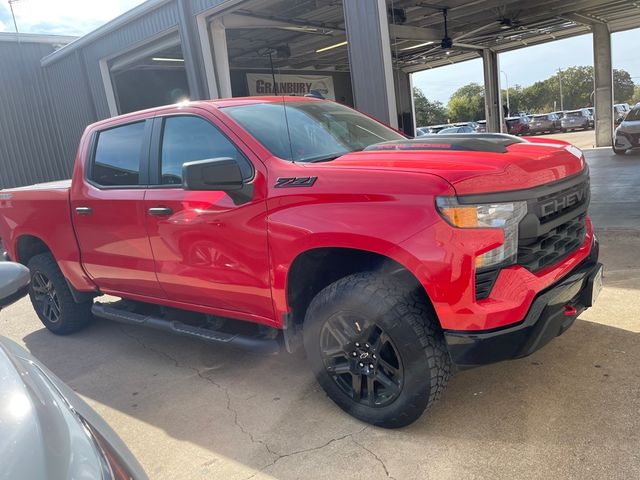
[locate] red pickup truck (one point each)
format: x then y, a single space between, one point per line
275 223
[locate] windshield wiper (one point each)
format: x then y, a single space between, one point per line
326 158
331 157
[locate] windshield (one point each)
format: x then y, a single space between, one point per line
317 130
449 130
633 115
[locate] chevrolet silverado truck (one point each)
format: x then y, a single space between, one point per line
276 224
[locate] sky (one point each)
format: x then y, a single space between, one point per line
529 65
522 67
61 17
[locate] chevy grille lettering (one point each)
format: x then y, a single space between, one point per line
555 205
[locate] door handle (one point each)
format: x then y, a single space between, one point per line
160 211
84 210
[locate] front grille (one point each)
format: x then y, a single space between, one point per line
554 227
579 195
553 246
634 138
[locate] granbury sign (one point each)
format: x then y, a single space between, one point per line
290 84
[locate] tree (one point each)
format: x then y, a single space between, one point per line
636 95
623 86
428 112
467 103
578 87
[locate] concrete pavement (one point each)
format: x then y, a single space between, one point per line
189 410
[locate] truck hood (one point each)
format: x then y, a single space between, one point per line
473 163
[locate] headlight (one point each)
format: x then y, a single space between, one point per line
506 216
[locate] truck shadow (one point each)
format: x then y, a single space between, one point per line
181 403
576 391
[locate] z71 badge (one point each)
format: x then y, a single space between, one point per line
286 182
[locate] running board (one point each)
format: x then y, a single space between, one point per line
264 346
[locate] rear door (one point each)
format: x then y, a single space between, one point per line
209 248
107 207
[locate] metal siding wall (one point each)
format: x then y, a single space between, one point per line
198 6
72 103
43 111
30 149
112 43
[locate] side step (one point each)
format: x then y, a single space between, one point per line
264 346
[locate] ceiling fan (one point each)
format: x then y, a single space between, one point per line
447 43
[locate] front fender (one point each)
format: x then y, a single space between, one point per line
367 212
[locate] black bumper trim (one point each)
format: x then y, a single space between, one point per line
545 320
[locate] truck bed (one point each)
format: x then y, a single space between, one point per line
41 211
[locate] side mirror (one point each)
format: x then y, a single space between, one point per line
14 282
212 174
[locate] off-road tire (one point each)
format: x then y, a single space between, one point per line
46 276
407 319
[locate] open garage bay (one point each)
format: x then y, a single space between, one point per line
188 410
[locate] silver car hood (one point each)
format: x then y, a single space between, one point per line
45 427
632 126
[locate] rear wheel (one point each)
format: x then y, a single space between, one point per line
376 349
52 299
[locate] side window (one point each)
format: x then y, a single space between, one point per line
116 161
190 138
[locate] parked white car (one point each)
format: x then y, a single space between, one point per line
627 135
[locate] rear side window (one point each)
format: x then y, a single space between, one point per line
117 156
189 138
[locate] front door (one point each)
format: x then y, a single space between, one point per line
209 248
107 207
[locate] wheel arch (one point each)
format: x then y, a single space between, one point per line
325 265
27 246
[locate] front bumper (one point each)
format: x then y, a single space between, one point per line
552 312
624 141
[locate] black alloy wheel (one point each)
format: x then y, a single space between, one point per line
362 360
376 348
45 298
52 298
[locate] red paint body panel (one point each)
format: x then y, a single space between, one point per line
42 211
214 256
113 240
211 252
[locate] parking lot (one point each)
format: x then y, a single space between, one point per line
189 410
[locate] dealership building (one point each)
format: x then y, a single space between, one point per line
358 52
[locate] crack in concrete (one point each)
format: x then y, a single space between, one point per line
306 450
235 415
380 461
201 375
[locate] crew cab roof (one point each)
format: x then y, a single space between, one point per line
218 103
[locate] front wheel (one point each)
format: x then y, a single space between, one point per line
52 299
376 348
618 151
